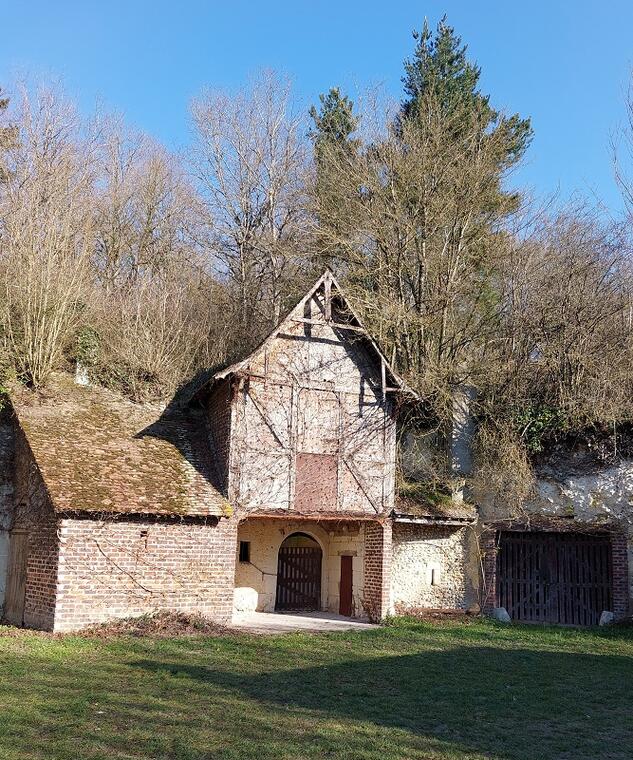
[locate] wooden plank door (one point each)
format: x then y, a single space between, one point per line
554 577
16 578
345 587
298 578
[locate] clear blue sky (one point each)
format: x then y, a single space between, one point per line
565 63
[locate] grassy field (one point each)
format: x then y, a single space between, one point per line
409 690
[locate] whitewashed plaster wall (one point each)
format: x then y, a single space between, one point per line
260 574
313 390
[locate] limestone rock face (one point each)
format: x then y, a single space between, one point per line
501 614
606 618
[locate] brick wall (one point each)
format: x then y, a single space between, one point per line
120 568
620 567
377 561
488 591
34 514
219 422
7 445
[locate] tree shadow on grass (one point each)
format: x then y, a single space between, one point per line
520 704
473 692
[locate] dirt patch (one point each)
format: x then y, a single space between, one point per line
161 625
431 615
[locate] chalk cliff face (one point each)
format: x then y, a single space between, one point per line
605 495
579 486
6 498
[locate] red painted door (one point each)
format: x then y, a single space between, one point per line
345 588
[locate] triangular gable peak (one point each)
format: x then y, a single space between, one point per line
324 305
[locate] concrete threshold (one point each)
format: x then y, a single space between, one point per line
290 622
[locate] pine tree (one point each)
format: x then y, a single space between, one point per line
334 145
334 125
440 77
335 121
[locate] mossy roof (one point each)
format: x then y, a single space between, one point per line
100 453
417 500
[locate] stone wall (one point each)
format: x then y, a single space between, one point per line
256 581
126 567
430 567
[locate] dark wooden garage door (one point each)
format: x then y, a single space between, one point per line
554 577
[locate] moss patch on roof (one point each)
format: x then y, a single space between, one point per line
98 452
422 500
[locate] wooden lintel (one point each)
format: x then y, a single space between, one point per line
440 522
271 380
335 325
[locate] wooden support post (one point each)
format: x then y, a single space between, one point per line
339 452
383 378
292 448
327 285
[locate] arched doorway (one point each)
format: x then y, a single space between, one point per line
299 573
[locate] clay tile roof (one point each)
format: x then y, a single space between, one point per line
100 453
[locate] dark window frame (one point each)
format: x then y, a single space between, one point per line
245 551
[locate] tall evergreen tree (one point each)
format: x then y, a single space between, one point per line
332 135
440 78
334 122
334 125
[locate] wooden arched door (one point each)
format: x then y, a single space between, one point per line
299 573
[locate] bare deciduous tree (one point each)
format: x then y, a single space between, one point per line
622 151
144 209
46 229
250 161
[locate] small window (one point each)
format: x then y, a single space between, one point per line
245 551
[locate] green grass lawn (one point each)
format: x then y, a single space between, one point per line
409 690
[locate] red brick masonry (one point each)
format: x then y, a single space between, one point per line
378 551
120 568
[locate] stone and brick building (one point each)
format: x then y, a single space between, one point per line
269 485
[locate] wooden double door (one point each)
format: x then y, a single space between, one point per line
299 574
554 577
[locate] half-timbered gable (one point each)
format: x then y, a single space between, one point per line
312 419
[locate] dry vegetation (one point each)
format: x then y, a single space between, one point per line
146 267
